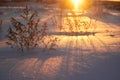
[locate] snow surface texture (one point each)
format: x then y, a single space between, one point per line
81 57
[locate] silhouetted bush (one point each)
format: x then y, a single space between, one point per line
27 34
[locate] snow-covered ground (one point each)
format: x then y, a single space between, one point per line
78 57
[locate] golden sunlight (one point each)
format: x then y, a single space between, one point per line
76 4
81 4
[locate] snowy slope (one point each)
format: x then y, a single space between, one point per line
78 57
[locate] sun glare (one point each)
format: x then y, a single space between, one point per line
77 4
81 4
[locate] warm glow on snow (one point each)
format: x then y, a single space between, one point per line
75 40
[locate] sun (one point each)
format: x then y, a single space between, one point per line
76 1
82 4
77 4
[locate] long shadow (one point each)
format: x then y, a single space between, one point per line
73 33
35 61
74 61
114 19
107 17
104 44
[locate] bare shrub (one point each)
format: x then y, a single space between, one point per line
77 22
27 34
24 35
47 41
